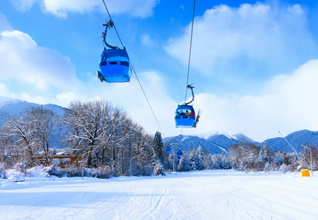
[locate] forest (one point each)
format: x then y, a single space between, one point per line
107 143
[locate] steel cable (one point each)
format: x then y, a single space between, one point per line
190 50
133 69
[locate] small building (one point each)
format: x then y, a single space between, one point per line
62 160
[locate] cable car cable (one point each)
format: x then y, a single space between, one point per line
133 69
113 24
189 52
189 61
147 100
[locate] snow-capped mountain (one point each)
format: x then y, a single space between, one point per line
187 142
12 107
225 139
296 139
6 100
222 141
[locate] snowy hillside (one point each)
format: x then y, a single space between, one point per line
6 100
219 141
214 144
296 139
187 142
12 107
226 139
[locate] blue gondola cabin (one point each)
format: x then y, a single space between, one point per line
185 116
114 62
114 66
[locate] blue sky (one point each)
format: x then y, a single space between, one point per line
254 63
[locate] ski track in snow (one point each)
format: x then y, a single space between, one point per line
218 194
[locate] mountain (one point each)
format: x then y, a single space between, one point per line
296 139
12 107
219 142
214 144
225 139
187 142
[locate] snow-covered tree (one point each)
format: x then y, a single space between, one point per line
199 158
278 158
46 121
96 126
215 161
226 162
267 167
158 168
144 158
184 163
158 146
264 155
192 159
244 156
6 144
24 128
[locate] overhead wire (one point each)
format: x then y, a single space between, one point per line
133 69
189 61
190 50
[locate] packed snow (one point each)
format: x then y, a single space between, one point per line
209 194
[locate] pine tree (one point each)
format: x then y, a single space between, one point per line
184 163
226 163
192 159
216 161
199 159
260 155
267 167
264 155
158 168
158 147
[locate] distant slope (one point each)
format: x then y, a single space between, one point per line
187 142
13 107
227 140
296 139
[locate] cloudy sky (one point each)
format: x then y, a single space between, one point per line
254 63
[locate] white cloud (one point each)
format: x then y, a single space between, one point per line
146 40
3 90
21 59
61 8
34 99
23 5
251 40
287 104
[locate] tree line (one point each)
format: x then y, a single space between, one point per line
247 157
101 134
109 143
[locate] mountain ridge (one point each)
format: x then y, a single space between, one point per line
11 107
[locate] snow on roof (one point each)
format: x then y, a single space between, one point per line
60 153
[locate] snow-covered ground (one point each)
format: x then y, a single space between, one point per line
194 195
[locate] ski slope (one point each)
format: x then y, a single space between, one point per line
194 195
